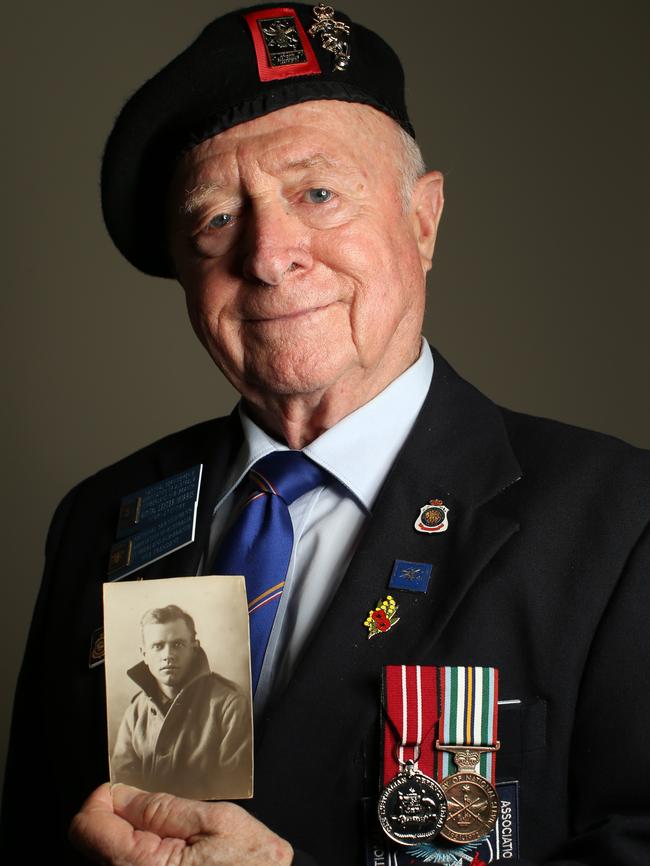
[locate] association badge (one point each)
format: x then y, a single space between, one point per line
433 517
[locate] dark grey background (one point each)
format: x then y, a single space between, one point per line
536 112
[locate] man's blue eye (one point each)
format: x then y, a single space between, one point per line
220 220
318 195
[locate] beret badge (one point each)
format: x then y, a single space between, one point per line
332 35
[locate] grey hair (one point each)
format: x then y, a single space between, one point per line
411 166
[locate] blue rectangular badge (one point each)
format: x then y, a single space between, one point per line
413 576
501 843
153 504
154 522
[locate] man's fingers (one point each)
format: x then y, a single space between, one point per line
231 835
105 836
166 815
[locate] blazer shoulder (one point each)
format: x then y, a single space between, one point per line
551 451
180 449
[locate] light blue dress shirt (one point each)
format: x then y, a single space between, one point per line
327 521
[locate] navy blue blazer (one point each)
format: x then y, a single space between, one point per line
543 573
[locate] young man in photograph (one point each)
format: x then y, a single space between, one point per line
185 731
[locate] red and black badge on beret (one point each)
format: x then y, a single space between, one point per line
244 65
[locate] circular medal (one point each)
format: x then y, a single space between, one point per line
473 807
412 807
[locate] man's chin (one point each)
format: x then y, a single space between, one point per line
286 374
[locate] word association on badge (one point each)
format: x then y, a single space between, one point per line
433 517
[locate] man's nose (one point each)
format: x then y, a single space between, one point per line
277 244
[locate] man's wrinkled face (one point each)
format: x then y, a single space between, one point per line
168 651
299 261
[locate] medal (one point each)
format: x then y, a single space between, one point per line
473 805
468 729
412 806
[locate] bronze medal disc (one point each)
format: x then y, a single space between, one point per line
412 808
473 807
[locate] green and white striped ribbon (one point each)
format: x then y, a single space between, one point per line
469 708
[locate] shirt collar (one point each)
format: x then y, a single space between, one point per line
361 448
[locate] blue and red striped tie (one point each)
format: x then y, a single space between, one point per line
259 543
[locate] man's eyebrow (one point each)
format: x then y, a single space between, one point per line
196 197
317 160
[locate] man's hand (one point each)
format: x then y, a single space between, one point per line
124 826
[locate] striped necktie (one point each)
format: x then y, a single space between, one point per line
259 543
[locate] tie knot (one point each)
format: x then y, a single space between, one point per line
288 474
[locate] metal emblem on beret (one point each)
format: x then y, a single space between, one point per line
332 35
412 807
283 44
432 517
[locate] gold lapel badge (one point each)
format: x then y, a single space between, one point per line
331 34
382 618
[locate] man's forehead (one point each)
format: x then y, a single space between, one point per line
333 123
158 629
322 134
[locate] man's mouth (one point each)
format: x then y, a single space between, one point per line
285 316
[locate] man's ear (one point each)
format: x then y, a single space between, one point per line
426 209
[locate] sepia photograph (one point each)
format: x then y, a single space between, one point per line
178 686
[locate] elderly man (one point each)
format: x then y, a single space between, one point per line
185 731
271 169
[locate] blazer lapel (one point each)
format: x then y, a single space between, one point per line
459 452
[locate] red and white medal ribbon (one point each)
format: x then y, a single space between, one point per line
410 699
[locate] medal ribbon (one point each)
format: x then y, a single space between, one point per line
410 700
468 716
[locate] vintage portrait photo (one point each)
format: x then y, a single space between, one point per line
178 688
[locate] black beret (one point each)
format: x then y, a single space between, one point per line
243 65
